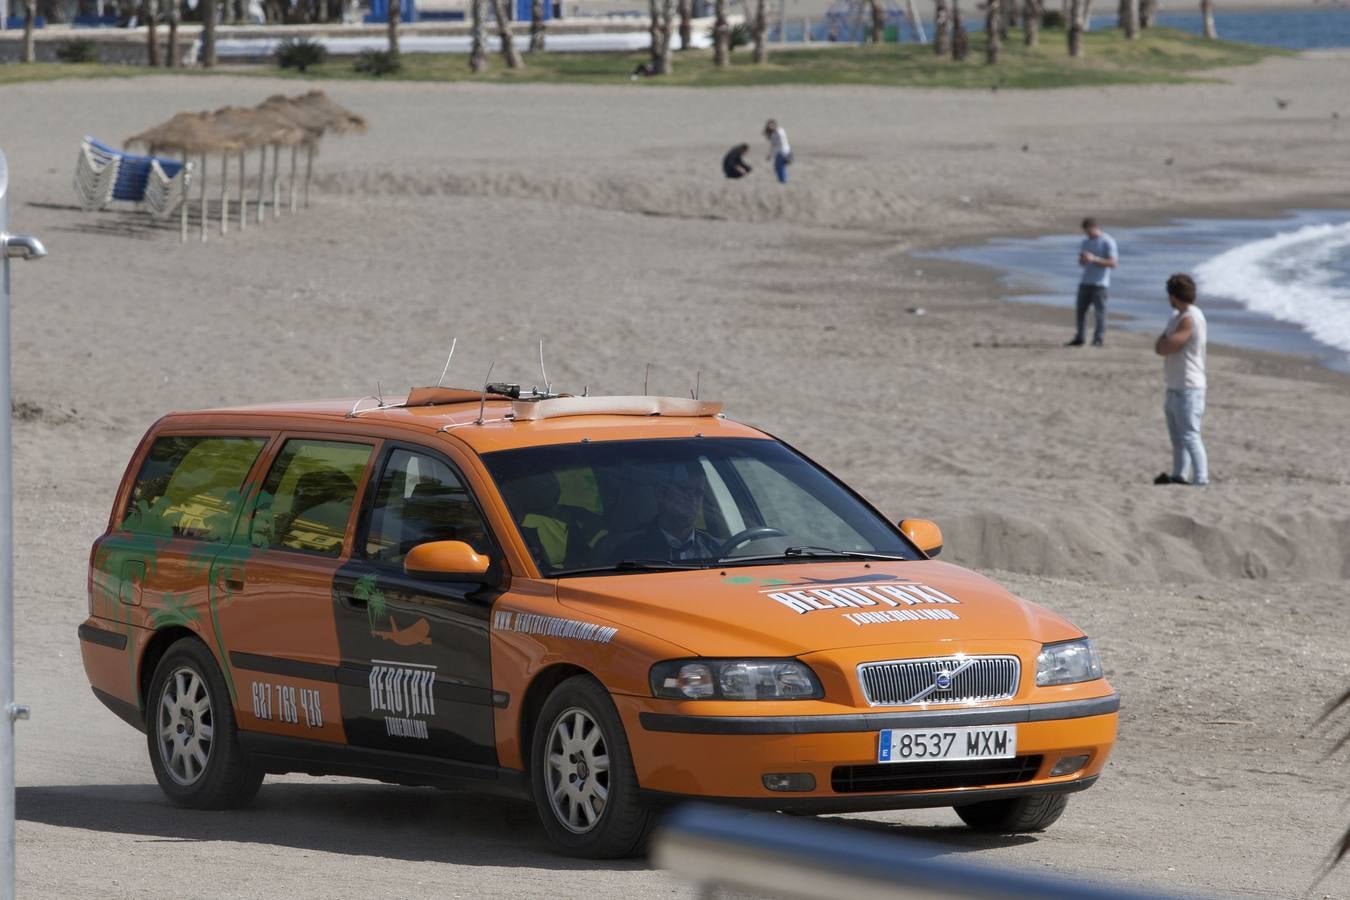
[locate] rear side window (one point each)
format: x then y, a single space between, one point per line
189 487
307 498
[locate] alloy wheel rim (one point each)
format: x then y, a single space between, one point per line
577 773
186 727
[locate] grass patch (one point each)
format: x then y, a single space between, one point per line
1162 55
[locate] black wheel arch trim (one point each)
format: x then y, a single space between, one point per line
102 636
877 802
127 712
997 715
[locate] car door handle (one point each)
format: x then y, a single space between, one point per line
230 584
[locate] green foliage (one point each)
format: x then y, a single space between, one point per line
378 63
1052 20
365 589
299 52
80 50
740 35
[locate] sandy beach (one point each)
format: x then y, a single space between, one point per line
597 220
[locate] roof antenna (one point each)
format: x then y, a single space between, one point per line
453 341
585 390
645 378
379 394
698 378
482 401
544 371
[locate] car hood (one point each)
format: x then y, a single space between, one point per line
791 609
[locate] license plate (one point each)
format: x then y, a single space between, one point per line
899 745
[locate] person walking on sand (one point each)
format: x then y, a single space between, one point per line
779 150
1097 256
1182 347
734 164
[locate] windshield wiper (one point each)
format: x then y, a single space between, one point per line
812 553
633 565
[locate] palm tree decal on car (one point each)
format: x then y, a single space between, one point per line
365 589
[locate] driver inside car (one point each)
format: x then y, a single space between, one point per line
674 534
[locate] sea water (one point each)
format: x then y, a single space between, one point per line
1281 285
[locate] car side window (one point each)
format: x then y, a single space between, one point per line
307 498
421 499
190 487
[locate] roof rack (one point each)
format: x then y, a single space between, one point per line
561 407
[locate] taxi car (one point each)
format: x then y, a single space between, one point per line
601 603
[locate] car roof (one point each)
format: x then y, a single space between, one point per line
505 423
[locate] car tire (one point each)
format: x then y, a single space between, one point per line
1018 815
191 733
581 772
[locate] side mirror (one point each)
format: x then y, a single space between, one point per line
446 561
923 533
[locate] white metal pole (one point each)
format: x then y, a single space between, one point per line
16 246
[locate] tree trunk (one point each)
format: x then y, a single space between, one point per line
208 8
151 10
478 52
1147 10
686 25
666 62
1031 23
960 40
537 26
758 32
29 17
1085 14
501 11
1207 13
175 55
654 30
392 31
942 29
993 16
1131 23
878 21
721 34
1074 28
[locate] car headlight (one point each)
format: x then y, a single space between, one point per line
734 679
1068 662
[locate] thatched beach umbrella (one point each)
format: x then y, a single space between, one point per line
254 128
190 134
318 115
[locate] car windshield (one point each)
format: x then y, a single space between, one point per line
682 503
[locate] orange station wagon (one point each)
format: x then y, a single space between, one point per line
601 603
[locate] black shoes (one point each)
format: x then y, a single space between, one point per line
1164 478
1076 342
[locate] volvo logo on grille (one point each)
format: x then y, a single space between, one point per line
943 681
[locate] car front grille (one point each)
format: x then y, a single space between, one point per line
933 776
903 682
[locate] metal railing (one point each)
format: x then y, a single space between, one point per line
779 856
12 246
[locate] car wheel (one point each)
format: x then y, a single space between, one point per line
585 788
1020 814
190 729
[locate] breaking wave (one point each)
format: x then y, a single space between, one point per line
1300 276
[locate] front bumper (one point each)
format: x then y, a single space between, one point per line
727 757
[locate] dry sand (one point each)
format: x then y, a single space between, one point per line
596 218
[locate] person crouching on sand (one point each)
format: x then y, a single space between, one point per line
734 164
1182 347
779 150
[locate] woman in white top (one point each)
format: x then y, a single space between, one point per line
1182 347
779 151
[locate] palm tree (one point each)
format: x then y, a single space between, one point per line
1031 22
175 52
501 10
150 12
878 21
478 52
1147 10
960 40
1207 13
686 24
1074 28
1130 18
29 15
757 31
208 8
537 26
992 26
394 11
721 34
942 28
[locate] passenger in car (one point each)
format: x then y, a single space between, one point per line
674 534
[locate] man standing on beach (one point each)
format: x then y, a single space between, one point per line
1097 256
779 150
1182 347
